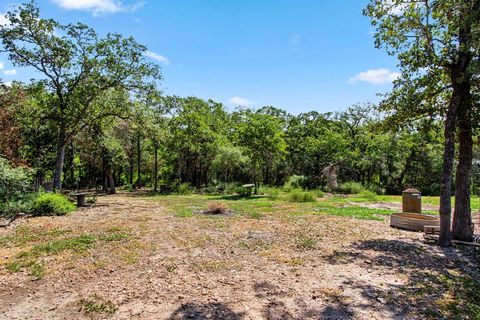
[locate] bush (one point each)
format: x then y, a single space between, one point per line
183 188
271 193
14 186
295 182
351 188
230 188
320 193
12 207
377 190
302 196
51 204
243 191
368 195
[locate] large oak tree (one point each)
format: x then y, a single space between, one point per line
77 66
436 43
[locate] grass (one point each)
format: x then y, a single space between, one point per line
278 202
263 206
302 196
45 243
95 305
457 295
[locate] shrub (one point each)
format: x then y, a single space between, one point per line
376 189
302 196
351 188
369 195
295 182
230 188
51 204
14 186
129 188
183 188
271 193
320 193
211 189
243 191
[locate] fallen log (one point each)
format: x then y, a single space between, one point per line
10 221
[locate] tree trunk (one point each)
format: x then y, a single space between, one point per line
462 219
110 183
57 178
139 158
445 239
155 177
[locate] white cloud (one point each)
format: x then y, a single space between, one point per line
239 101
3 20
2 65
8 84
396 8
157 57
375 76
98 7
10 72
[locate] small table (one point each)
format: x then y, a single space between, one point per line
81 197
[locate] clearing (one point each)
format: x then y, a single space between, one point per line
135 256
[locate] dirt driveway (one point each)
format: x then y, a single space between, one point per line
133 258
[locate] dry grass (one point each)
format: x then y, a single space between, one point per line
132 256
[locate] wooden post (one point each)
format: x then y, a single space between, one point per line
81 200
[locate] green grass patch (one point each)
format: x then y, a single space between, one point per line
305 242
26 235
31 259
353 212
95 305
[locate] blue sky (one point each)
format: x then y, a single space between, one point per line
298 55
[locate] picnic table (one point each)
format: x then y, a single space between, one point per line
431 233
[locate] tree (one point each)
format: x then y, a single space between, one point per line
435 42
78 67
157 107
227 160
11 99
263 138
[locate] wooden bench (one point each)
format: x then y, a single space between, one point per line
431 233
81 197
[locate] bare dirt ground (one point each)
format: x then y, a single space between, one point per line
145 262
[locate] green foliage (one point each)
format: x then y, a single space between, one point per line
230 188
376 189
183 188
305 242
228 160
368 195
295 182
302 196
243 191
351 188
271 193
95 305
320 193
51 204
14 185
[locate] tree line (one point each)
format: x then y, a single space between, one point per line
96 117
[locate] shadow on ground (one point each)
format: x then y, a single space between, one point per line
215 311
439 283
